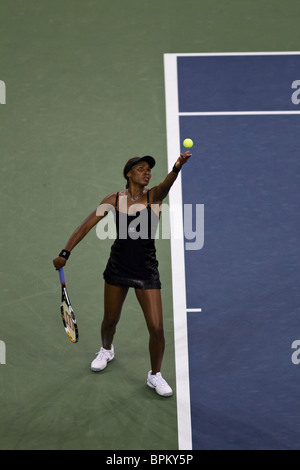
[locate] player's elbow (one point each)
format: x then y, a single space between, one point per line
161 193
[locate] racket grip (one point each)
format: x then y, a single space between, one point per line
61 275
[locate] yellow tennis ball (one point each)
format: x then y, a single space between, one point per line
188 143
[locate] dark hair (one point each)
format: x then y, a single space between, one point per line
129 165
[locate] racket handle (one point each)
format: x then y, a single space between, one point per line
62 275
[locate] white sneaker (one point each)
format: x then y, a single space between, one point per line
161 386
103 357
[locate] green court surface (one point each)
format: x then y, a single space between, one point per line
84 93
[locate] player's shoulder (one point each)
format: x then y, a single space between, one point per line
111 198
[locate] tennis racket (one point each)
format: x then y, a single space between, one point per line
67 313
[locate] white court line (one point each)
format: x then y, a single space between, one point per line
214 54
194 309
177 256
237 113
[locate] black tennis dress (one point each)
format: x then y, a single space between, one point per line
132 260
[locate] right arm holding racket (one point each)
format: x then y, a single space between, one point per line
82 231
66 310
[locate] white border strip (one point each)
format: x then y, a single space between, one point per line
178 266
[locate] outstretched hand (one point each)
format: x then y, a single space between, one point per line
182 159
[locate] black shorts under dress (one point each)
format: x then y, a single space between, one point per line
132 261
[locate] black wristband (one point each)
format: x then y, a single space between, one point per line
176 170
64 254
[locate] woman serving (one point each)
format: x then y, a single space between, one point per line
132 261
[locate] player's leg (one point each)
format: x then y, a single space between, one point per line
150 301
114 297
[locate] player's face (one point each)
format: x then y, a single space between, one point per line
140 173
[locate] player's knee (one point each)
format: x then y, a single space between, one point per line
110 323
157 333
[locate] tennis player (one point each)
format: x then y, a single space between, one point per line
132 261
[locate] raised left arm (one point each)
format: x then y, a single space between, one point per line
161 191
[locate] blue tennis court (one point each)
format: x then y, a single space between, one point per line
239 305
